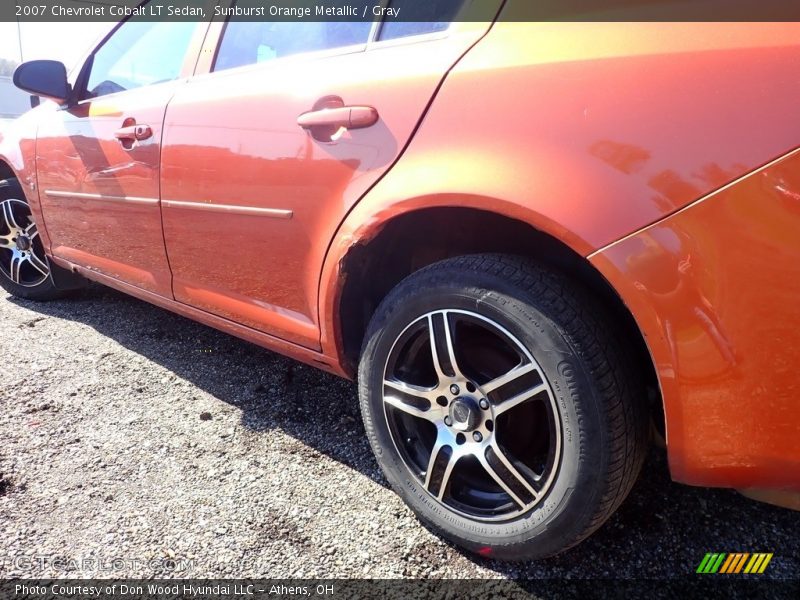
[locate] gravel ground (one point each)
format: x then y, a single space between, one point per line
130 433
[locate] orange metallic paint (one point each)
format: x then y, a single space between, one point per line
18 154
232 138
256 337
598 134
100 197
715 289
79 159
589 131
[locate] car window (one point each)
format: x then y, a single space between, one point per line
247 43
139 54
419 17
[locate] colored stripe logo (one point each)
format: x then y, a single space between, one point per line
733 563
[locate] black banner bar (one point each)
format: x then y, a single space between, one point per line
401 10
263 589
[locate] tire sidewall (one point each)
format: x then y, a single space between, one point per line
561 514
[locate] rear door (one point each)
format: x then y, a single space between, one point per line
98 160
265 153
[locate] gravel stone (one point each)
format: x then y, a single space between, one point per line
108 449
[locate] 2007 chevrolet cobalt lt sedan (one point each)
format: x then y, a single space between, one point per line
535 245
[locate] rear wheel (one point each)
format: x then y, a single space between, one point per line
24 269
499 407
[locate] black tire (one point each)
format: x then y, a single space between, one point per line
597 397
31 281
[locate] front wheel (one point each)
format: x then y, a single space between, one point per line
24 268
498 406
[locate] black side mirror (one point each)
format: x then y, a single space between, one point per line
47 78
35 101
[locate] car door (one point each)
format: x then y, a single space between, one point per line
257 173
98 158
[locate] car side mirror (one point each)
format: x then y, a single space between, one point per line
47 78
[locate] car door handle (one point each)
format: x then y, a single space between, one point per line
133 133
349 117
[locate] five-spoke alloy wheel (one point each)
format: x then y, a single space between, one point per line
24 269
451 414
499 405
22 258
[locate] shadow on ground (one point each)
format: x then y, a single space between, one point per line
663 529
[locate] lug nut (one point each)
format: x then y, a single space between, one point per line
454 389
484 404
477 436
448 421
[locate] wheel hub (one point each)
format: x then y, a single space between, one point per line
464 414
23 243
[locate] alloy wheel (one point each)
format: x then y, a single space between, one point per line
472 415
22 258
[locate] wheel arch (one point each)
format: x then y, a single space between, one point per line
6 172
408 241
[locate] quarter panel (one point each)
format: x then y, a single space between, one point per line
592 131
589 131
715 289
606 127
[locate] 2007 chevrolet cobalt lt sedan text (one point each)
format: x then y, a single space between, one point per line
536 245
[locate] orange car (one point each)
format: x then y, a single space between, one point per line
533 244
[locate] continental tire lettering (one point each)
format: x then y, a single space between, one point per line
567 372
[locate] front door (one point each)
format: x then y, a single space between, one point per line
265 154
98 160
